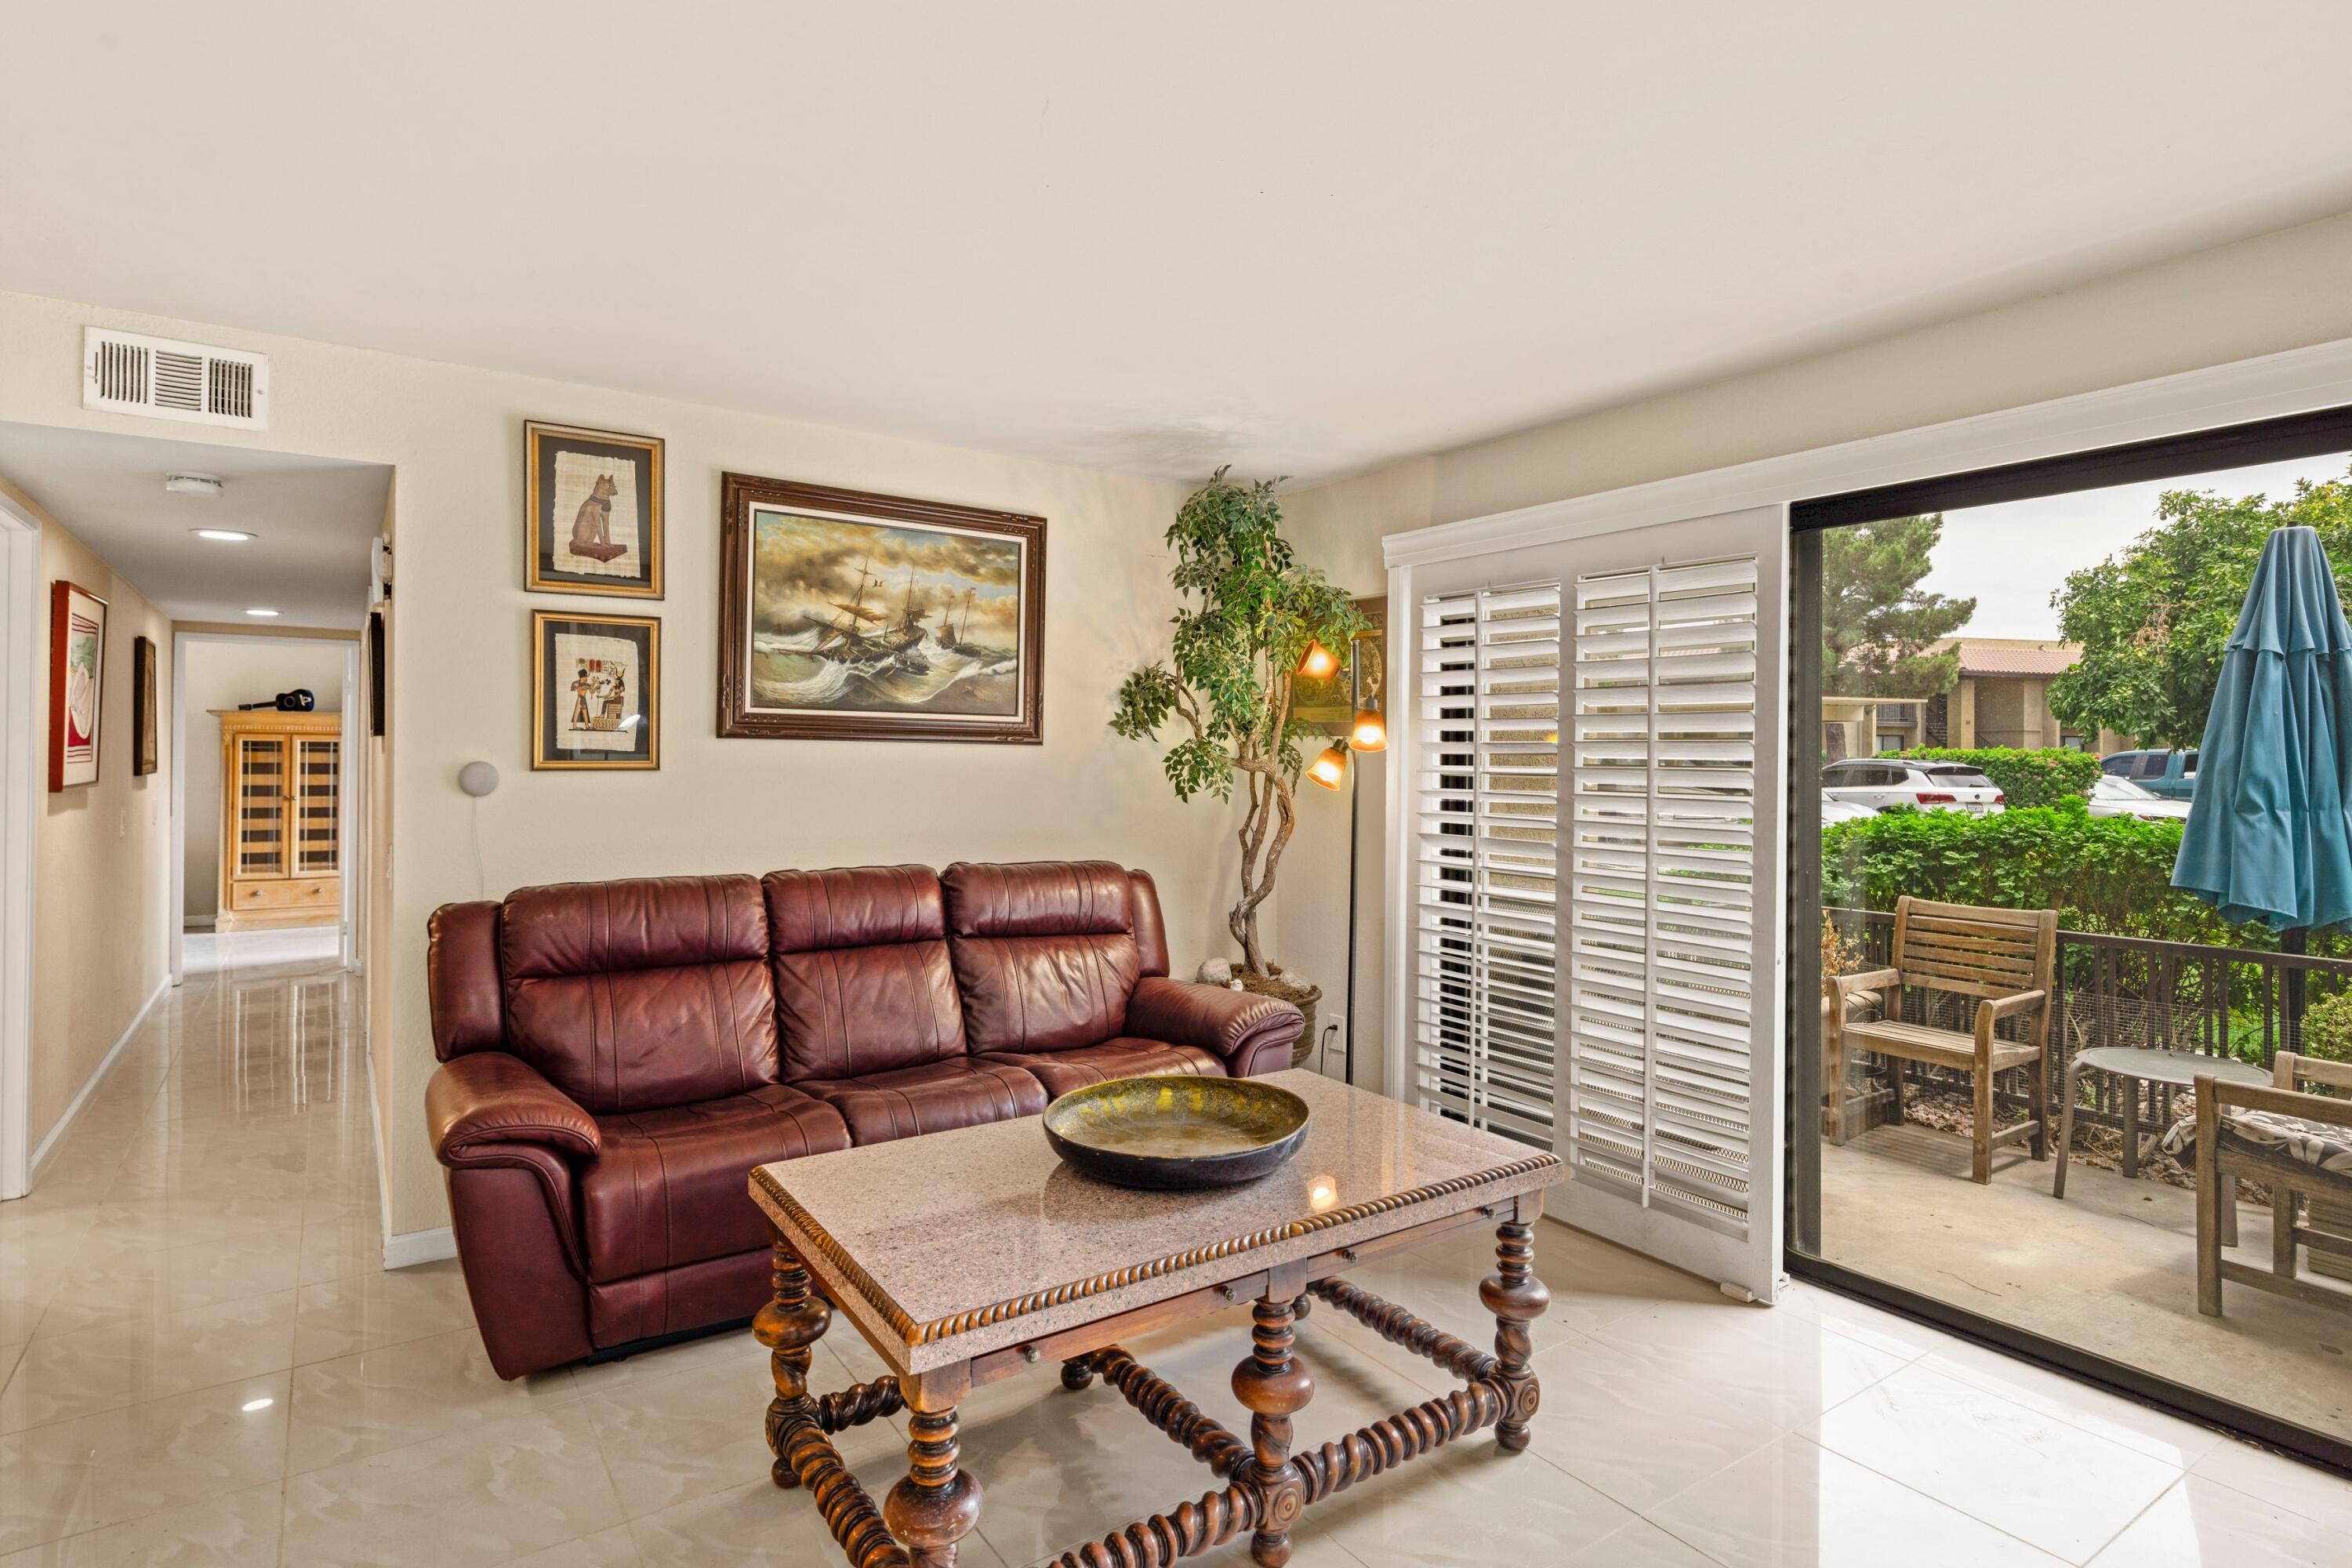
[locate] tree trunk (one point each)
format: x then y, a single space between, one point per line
1273 807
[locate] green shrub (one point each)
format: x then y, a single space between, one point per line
2328 1028
2041 777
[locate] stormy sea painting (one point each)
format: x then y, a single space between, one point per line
861 618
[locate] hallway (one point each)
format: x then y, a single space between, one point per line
206 1364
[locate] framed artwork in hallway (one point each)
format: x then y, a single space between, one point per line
597 691
143 707
850 616
592 512
77 683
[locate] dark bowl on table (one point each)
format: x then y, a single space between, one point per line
1177 1132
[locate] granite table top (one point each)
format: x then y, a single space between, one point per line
948 1247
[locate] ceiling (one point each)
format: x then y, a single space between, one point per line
1299 237
313 519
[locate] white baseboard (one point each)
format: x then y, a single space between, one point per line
90 1085
410 1248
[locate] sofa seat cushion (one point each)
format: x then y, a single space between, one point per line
669 1187
937 1096
1062 1072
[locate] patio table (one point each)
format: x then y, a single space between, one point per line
2137 1066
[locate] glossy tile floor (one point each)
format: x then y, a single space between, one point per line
205 1365
2113 1266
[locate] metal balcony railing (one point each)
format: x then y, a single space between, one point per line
2130 991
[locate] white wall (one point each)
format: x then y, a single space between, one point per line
2277 292
102 859
460 662
218 675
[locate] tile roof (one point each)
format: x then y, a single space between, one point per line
2039 661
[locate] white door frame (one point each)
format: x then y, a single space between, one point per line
23 756
354 852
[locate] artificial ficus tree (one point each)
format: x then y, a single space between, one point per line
1250 611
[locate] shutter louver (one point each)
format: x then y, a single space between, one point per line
1660 868
1485 832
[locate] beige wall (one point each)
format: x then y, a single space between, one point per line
461 659
103 851
221 675
2274 292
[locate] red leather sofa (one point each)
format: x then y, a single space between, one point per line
617 1055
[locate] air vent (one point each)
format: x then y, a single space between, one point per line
165 379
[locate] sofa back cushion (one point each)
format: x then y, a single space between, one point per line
1045 952
636 995
859 961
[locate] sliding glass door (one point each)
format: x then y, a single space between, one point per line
2000 1007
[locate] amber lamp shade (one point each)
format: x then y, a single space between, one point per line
1367 732
1318 663
1329 768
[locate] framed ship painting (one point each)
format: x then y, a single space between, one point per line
844 616
77 683
593 511
595 690
143 707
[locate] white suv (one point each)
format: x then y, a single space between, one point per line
1877 783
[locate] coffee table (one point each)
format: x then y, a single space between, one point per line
968 1256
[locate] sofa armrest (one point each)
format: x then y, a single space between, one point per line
1249 1033
491 1097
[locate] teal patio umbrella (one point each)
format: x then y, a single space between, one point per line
2267 838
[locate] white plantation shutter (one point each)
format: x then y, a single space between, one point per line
1587 942
1660 994
1485 809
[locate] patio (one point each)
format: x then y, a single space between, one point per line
2111 1268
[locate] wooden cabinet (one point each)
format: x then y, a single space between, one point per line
281 854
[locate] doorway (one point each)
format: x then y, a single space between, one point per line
215 543
21 753
266 817
2000 1005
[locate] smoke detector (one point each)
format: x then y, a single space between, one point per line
194 484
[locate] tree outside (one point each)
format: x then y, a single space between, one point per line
2155 619
1877 621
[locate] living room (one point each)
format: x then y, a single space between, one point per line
1027 520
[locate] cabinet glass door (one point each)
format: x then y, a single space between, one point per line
261 792
317 823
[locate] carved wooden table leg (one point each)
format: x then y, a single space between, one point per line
1273 1386
936 1504
1516 1298
1077 1375
789 1325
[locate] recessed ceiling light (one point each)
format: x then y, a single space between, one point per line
222 535
260 612
193 484
251 1405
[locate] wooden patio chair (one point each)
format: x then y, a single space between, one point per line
2300 1144
2003 958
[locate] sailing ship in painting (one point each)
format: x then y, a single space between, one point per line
923 621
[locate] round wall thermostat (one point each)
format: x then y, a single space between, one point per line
478 779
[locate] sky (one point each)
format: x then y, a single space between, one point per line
2014 557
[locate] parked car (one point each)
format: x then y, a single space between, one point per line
1835 810
2114 797
2171 775
1877 783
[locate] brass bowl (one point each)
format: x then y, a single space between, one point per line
1177 1132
